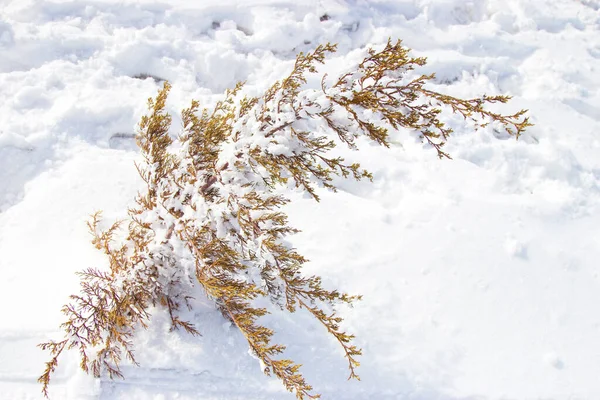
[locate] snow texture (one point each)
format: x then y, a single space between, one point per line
479 275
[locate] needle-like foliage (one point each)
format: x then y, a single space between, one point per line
211 215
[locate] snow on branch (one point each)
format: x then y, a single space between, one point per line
211 218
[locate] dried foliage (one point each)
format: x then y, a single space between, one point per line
211 216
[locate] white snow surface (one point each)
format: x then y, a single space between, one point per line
480 275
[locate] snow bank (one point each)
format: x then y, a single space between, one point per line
479 275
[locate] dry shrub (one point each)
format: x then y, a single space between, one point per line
210 214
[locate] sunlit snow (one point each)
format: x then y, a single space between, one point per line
479 275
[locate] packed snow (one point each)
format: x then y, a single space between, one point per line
479 275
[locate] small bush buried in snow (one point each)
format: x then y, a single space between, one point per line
210 216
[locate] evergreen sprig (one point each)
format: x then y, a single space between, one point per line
210 216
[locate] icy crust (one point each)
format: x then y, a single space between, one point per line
479 275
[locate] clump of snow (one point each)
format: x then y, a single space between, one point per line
515 247
554 360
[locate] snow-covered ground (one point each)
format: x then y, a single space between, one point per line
480 275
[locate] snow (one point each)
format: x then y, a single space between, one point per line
478 274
